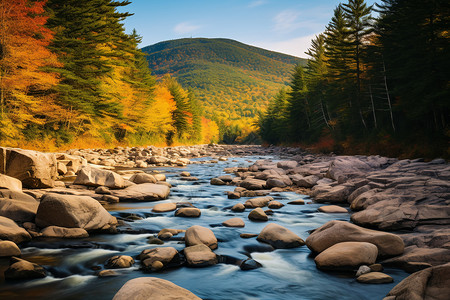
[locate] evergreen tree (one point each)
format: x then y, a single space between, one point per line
299 111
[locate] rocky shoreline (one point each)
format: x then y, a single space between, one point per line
400 209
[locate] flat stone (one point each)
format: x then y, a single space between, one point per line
143 192
279 237
375 277
297 202
164 207
275 204
257 202
64 233
332 209
234 222
188 212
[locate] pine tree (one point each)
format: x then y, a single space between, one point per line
299 109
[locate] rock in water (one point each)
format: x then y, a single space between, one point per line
62 232
119 261
143 178
196 235
258 215
35 169
10 231
98 177
347 256
143 192
8 248
22 269
153 288
200 256
18 206
279 237
188 212
334 232
164 255
431 283
164 207
375 277
73 212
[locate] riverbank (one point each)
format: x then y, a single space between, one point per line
408 197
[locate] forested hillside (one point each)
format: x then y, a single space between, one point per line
70 75
371 85
231 79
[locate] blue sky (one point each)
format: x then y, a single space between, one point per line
285 26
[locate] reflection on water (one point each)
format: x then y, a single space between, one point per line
286 273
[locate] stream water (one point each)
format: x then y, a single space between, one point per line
286 273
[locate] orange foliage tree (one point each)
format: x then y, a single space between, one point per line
24 85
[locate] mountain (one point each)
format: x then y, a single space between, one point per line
232 79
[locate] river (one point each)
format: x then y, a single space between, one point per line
286 273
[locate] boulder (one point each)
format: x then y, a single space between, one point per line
233 195
10 231
35 169
158 160
334 232
253 184
164 207
347 256
234 222
64 233
344 167
196 235
297 202
416 258
279 237
62 169
336 194
287 164
258 202
188 212
275 204
306 182
164 255
217 181
143 192
10 183
332 209
431 283
375 277
275 182
142 178
160 177
153 288
73 212
119 261
239 207
98 177
22 269
185 174
258 215
200 256
18 206
8 248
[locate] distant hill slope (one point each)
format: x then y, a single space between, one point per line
232 79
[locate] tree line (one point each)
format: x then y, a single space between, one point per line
69 74
371 84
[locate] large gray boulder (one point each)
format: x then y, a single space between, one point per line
35 169
98 177
10 231
143 192
73 212
152 288
334 232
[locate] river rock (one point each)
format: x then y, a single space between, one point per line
257 202
158 160
233 195
107 273
35 169
196 235
119 261
416 258
8 248
375 278
253 184
160 177
275 182
164 255
279 237
10 183
164 207
73 212
287 164
275 204
344 167
336 194
297 202
334 232
200 256
217 181
142 178
64 233
347 256
239 207
306 182
258 214
188 212
363 270
10 231
22 269
143 192
18 206
250 264
234 222
153 288
431 283
98 177
332 209
185 174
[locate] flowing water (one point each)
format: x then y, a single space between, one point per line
286 273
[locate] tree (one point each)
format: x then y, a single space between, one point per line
299 110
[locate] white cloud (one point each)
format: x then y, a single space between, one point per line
185 27
295 46
286 21
257 3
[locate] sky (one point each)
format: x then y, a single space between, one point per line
285 26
